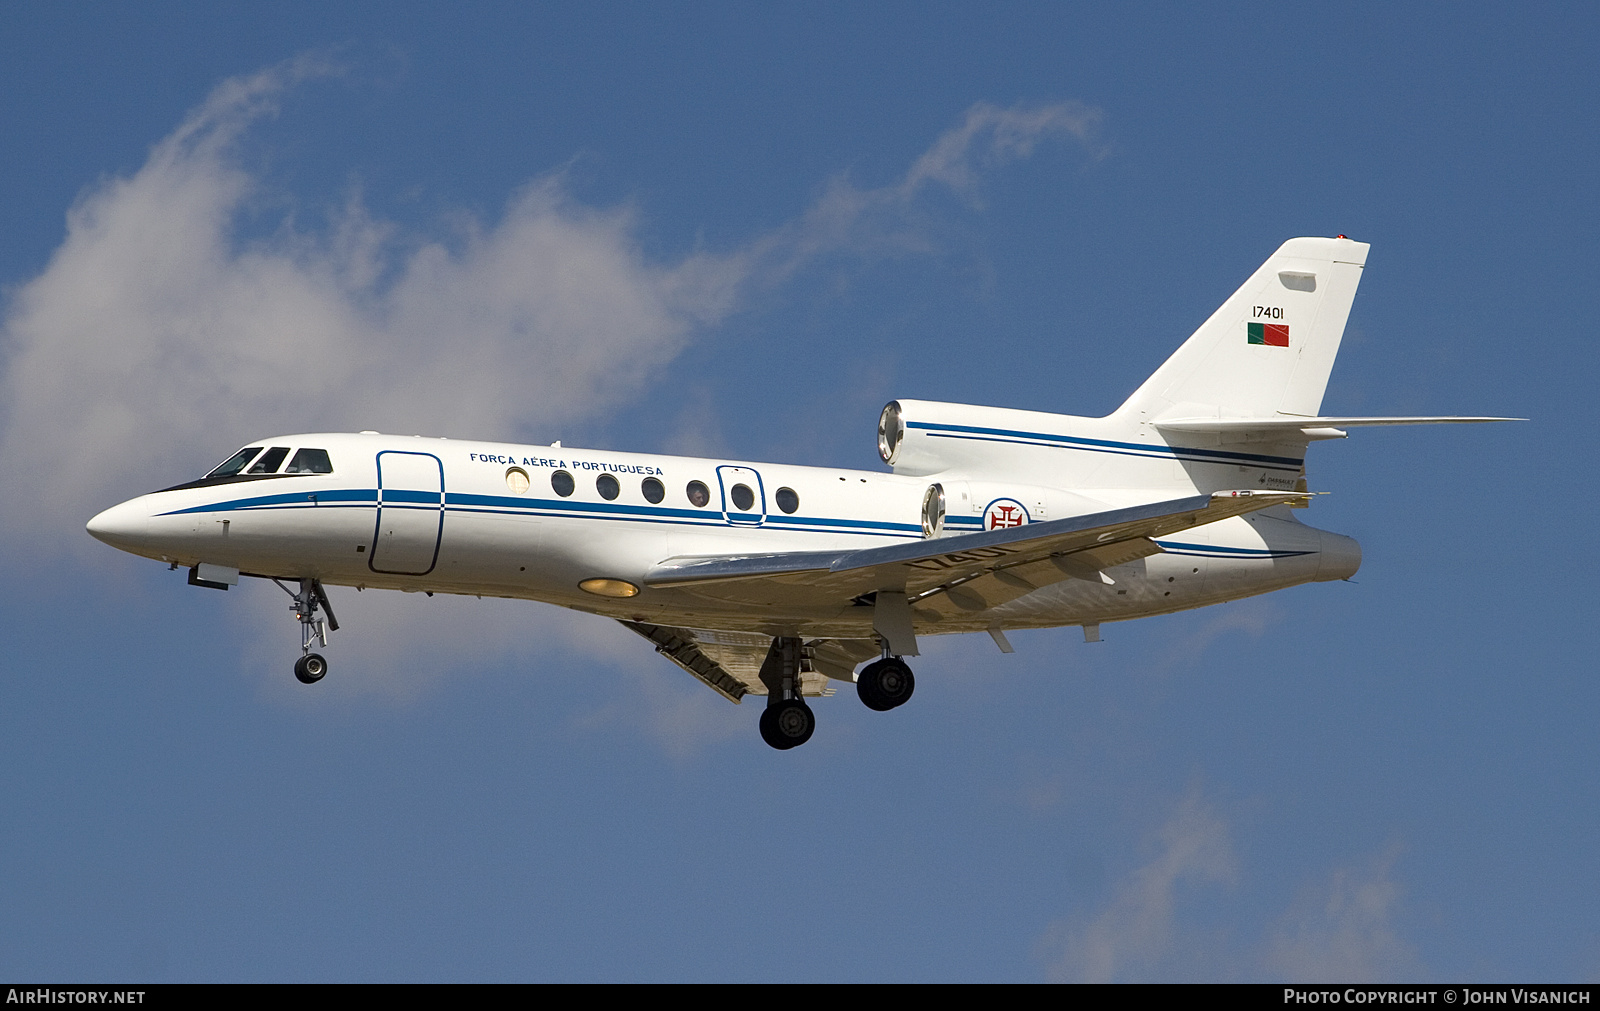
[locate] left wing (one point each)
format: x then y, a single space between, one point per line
1009 562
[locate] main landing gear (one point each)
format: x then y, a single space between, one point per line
788 722
310 668
885 684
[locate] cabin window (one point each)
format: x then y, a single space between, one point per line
788 500
310 461
698 493
743 497
517 480
268 464
236 462
562 482
654 491
607 486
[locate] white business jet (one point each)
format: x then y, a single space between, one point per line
777 580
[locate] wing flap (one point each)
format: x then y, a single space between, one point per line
998 586
1119 553
729 663
679 646
989 589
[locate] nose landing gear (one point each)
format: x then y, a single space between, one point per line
311 667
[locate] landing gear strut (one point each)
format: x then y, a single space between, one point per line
885 684
787 722
310 668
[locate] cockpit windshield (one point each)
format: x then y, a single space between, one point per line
236 462
268 464
310 461
265 467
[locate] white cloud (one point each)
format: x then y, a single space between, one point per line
1344 931
1252 616
991 136
1339 929
168 328
885 220
1135 934
157 337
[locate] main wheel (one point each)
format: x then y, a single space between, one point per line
788 724
310 668
884 684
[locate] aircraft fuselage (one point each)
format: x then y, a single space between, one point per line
450 516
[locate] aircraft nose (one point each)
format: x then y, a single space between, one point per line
1340 558
120 526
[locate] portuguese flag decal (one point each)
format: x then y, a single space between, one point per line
1273 335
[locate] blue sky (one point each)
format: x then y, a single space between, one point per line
740 230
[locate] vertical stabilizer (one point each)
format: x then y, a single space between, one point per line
1269 349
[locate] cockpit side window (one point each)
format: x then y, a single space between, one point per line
268 464
236 462
310 461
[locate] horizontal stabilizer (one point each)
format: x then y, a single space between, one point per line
1289 423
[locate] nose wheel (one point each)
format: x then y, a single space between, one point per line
310 668
310 599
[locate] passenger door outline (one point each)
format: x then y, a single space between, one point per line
412 510
727 477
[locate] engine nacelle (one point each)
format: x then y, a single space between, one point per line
973 450
922 437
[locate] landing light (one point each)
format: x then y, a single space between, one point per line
609 588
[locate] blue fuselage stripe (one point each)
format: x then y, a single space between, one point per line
1223 551
1005 435
459 502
